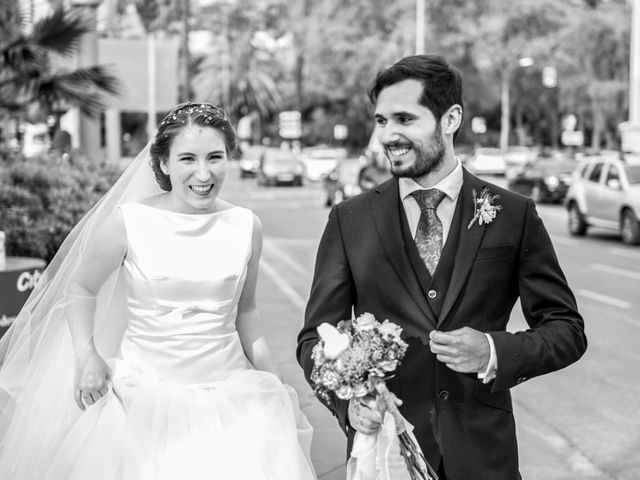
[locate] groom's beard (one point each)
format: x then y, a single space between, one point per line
427 160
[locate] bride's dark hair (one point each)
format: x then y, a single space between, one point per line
180 117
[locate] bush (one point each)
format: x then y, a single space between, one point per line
41 200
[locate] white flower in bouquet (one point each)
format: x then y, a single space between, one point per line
366 321
345 392
389 365
334 342
391 329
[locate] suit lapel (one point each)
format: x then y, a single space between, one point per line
468 244
386 206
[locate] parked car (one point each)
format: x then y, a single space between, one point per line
518 156
545 179
605 192
319 161
487 161
280 167
250 161
342 182
376 170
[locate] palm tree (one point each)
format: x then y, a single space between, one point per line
33 74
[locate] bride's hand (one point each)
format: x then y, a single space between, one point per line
92 379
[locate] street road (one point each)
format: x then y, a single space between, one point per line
582 422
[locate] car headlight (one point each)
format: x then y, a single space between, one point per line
552 182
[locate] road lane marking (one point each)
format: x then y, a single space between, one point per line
294 241
568 242
625 253
578 462
551 211
285 287
598 297
273 250
615 271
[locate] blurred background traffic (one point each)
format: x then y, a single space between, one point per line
549 85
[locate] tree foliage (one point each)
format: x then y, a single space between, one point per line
34 65
328 51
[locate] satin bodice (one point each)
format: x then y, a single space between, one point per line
185 274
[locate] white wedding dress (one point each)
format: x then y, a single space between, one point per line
186 403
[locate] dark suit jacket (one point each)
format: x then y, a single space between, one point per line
364 263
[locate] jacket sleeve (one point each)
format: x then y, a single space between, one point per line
331 300
556 336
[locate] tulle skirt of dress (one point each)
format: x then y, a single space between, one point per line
248 426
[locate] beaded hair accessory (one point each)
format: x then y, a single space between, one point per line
180 114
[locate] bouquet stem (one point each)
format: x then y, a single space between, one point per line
417 464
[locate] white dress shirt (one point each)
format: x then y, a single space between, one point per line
451 186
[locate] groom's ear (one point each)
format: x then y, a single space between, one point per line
452 119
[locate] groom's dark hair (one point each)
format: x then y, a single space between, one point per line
441 82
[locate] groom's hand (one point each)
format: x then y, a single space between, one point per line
464 350
365 414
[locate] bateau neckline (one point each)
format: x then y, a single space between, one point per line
204 214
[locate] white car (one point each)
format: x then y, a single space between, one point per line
605 193
487 161
319 161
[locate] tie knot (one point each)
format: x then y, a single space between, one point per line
430 198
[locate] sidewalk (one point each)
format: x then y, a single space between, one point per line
283 318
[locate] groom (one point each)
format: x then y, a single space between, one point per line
445 255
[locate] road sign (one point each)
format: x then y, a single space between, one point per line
290 124
549 77
340 132
478 125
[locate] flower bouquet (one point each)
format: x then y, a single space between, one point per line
353 360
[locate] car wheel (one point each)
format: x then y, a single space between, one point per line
629 228
577 223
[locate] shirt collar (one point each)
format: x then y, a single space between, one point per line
450 185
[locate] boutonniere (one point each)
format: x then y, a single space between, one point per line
484 208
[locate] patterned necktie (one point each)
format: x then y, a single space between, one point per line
429 233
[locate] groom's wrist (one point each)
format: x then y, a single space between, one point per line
491 370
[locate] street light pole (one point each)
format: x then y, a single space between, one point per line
504 100
420 27
630 130
88 128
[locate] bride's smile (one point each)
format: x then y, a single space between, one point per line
197 166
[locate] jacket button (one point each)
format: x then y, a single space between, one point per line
444 395
432 294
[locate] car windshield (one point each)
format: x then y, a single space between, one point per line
559 166
633 174
488 152
327 154
280 160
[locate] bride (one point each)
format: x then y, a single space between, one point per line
147 319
